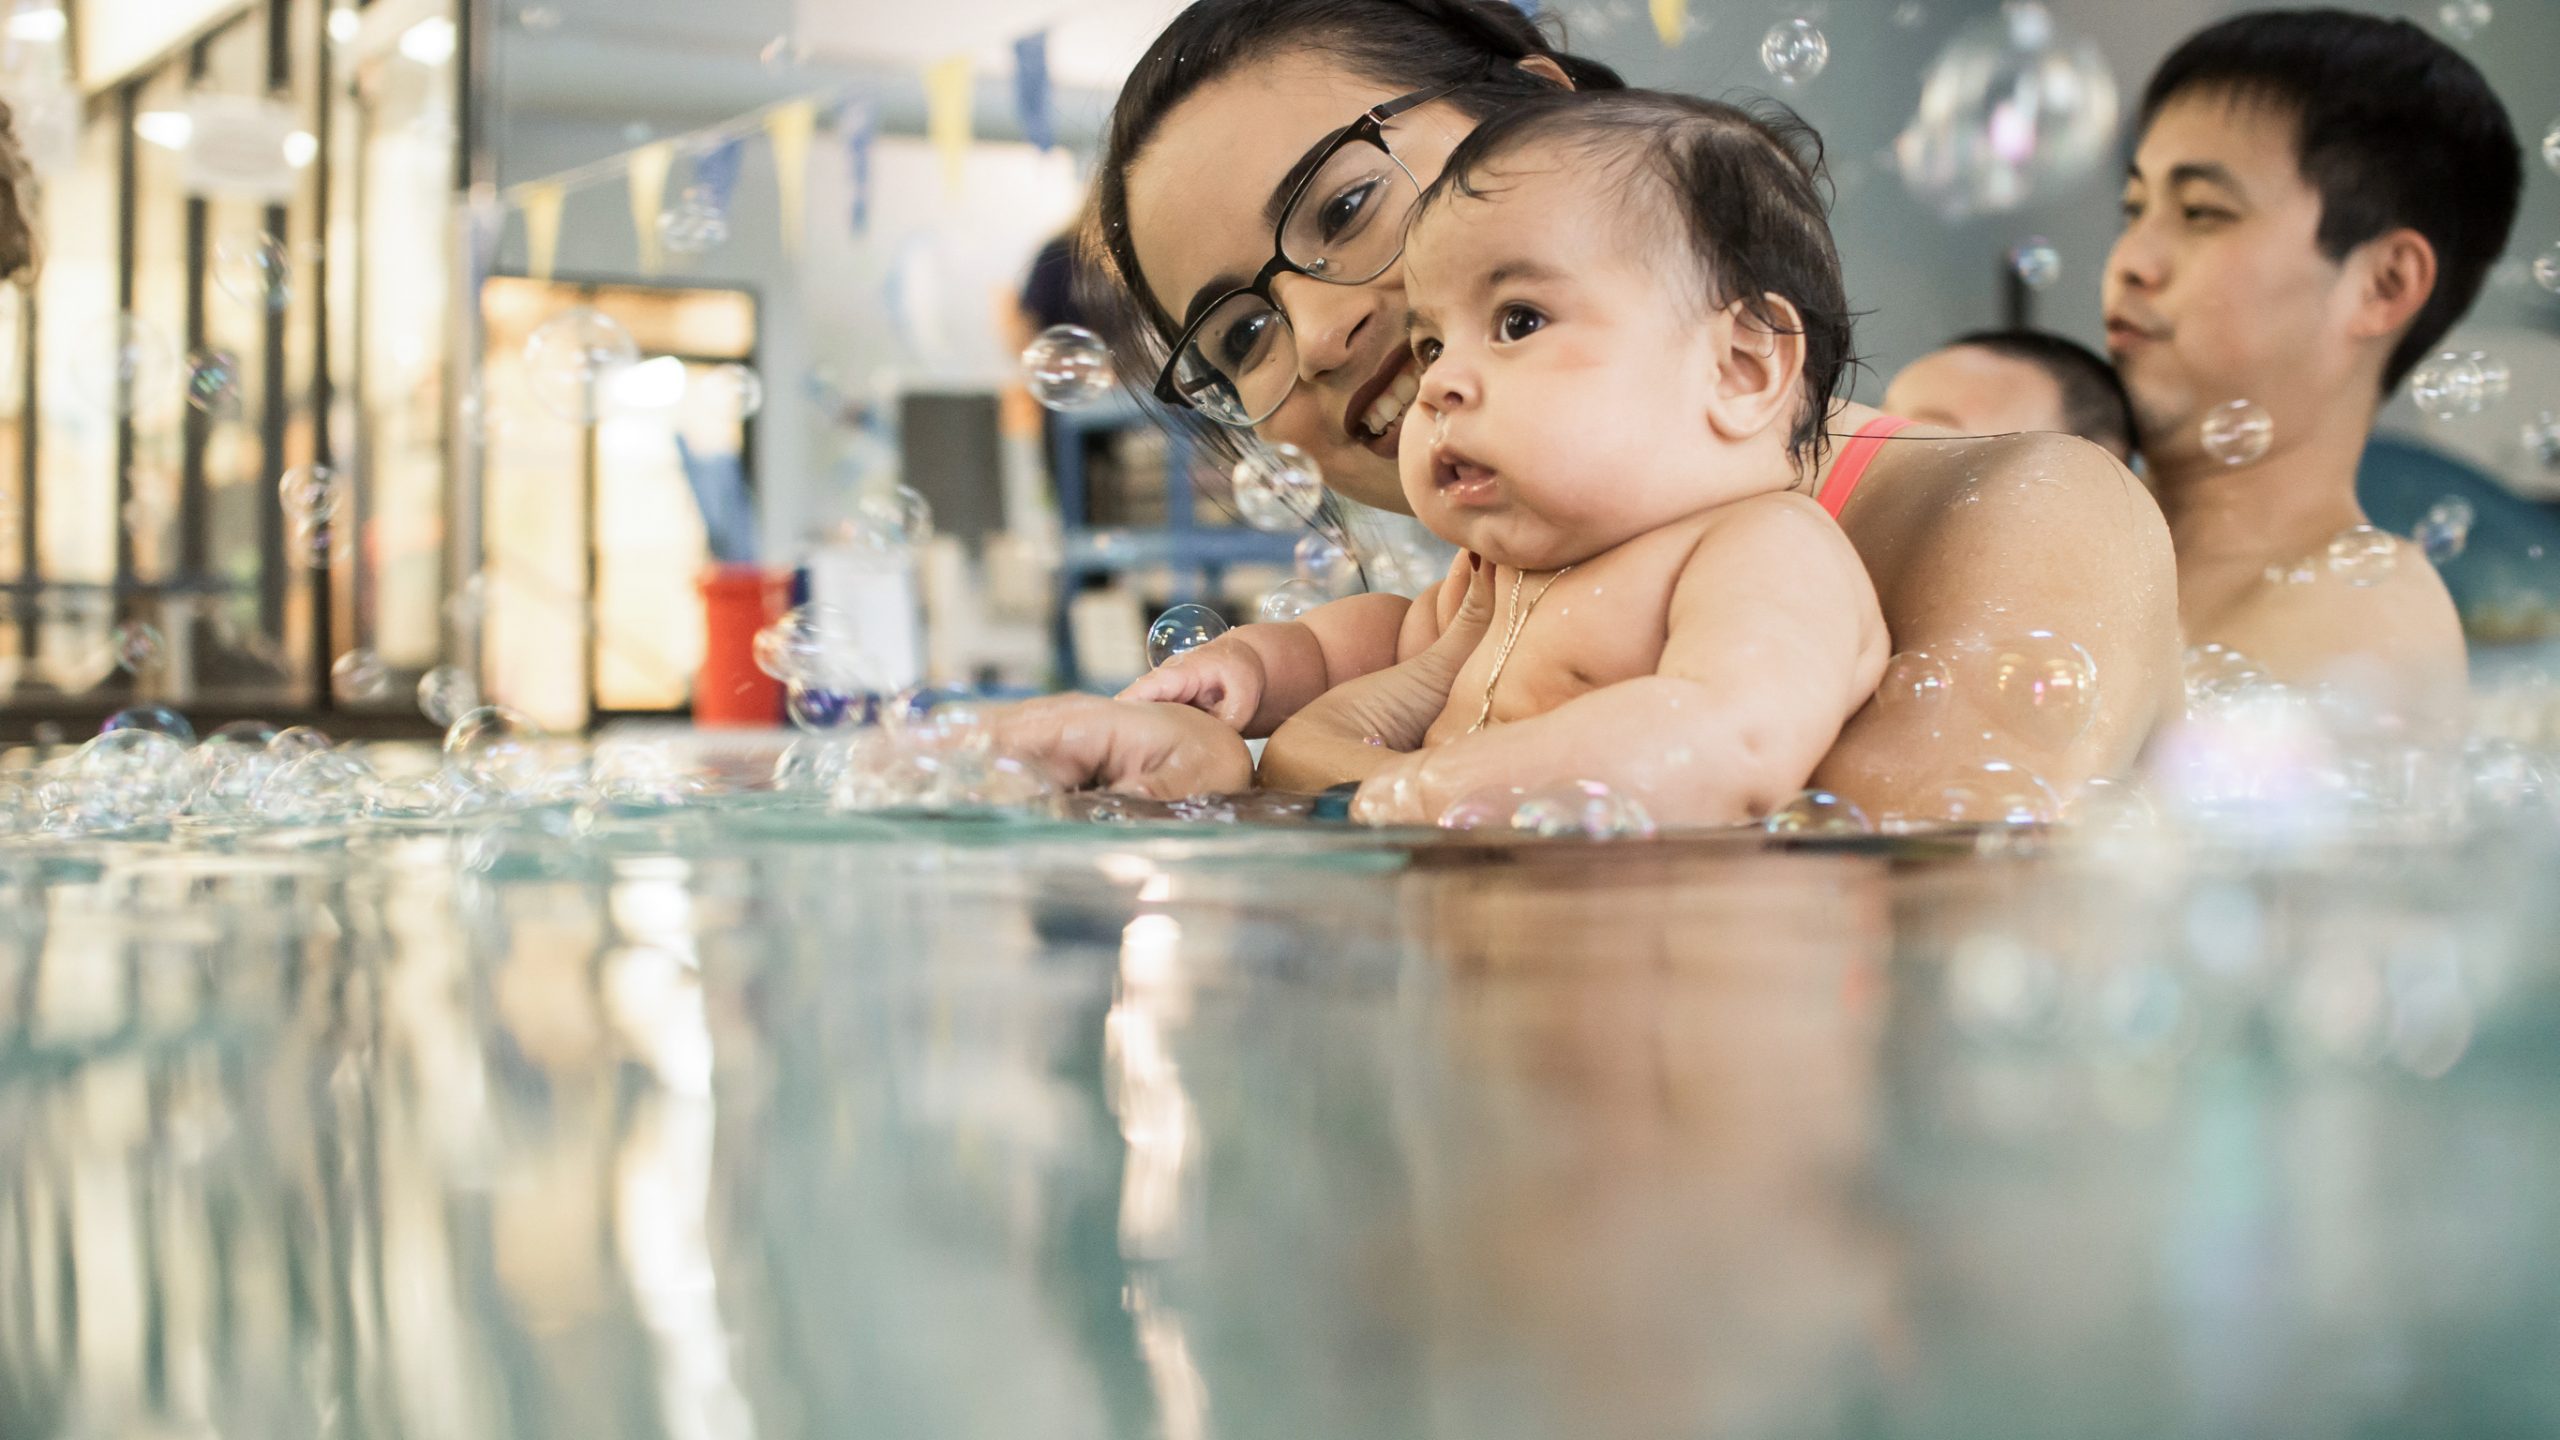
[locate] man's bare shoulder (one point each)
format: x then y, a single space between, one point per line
2303 621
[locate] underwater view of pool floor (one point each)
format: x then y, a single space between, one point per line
751 1120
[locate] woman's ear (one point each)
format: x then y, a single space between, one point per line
1759 368
1546 68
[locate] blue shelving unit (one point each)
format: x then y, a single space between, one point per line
1197 555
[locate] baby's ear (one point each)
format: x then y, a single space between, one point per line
1759 367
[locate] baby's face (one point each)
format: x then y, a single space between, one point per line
1566 370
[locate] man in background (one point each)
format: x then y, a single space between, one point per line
1994 382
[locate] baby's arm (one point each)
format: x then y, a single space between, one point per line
1774 640
1257 676
1353 729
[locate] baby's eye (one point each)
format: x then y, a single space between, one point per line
1518 322
1425 349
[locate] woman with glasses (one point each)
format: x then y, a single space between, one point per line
1249 218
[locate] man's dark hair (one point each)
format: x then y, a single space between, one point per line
1742 188
2094 404
2395 128
1404 45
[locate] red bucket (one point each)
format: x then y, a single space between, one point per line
729 692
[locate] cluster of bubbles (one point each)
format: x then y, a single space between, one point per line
2456 383
1278 488
2238 432
2035 262
2465 19
1794 51
311 497
1067 367
1573 809
2008 108
825 676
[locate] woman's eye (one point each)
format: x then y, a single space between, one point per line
1519 322
1341 214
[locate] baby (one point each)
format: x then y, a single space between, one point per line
1628 320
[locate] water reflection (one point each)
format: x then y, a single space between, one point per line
551 1130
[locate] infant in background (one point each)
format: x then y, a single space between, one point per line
1628 320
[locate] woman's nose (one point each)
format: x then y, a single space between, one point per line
1327 319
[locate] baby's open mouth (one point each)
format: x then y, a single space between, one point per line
1462 481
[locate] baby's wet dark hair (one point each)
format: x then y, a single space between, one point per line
1743 188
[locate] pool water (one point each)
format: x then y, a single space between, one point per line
747 1120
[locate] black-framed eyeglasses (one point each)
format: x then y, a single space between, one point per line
1343 224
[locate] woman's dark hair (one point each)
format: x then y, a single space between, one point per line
2395 128
1403 44
19 247
1742 188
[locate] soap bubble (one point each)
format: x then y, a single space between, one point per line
323 788
783 53
2036 262
2453 384
309 543
2238 432
2444 530
1995 792
256 270
2551 147
133 372
1278 488
231 765
2503 781
936 718
572 360
159 718
2541 436
737 389
2362 555
1585 808
2546 266
2047 687
1324 564
811 708
138 646
2007 109
310 494
813 645
900 519
694 224
1067 367
811 765
1489 809
2464 19
445 693
1916 676
1290 600
2215 673
1818 812
1182 629
358 677
2104 804
497 751
1794 51
295 741
213 382
131 777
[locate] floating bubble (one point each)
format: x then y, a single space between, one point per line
2362 555
310 494
2104 804
295 741
2036 262
783 53
1996 792
2444 530
2238 432
256 270
694 223
1278 488
814 709
158 718
736 389
1585 808
497 751
213 382
1181 630
572 361
2046 687
1323 564
937 718
1818 812
446 693
469 603
131 776
134 369
2453 384
1067 367
1489 809
812 646
358 677
2504 781
1290 600
2464 19
1915 676
895 520
1794 51
2551 147
2541 436
310 543
2546 266
2007 109
138 646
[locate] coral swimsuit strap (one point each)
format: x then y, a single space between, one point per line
1854 459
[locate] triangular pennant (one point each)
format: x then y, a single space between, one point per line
648 171
541 206
860 130
946 114
789 127
715 171
1031 90
1671 20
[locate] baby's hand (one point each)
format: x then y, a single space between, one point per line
1395 795
1224 677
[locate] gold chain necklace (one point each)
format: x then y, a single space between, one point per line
1511 637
